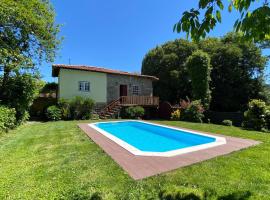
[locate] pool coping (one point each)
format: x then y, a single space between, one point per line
137 152
139 167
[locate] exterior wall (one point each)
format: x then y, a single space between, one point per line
114 81
69 84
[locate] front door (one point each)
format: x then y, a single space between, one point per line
123 90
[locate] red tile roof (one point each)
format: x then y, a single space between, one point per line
57 67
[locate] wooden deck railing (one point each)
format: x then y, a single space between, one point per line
139 100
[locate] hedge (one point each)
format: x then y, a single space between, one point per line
218 117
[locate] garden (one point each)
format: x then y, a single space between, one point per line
216 85
56 160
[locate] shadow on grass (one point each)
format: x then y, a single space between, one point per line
82 196
236 196
178 195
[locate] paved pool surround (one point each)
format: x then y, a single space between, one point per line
143 138
139 167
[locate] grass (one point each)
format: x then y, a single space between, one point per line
56 160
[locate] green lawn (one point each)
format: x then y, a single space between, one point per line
56 160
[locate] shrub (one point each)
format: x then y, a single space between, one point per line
95 116
7 118
134 112
193 112
182 193
53 113
184 104
81 108
254 117
176 115
64 106
267 118
20 92
77 108
227 122
39 106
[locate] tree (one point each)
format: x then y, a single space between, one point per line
49 88
28 35
199 68
266 92
237 75
253 23
20 93
237 71
167 62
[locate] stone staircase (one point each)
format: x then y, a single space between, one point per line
112 110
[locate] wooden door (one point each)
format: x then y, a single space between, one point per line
123 90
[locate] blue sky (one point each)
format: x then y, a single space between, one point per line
117 34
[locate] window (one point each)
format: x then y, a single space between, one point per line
135 90
84 86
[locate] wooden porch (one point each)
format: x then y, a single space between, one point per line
115 106
139 101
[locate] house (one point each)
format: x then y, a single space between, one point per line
105 86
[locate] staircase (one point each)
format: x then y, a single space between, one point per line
111 110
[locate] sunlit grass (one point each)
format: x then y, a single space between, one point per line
57 160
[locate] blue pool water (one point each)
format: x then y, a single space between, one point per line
152 138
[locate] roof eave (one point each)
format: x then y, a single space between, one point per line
56 68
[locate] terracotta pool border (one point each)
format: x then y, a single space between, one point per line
132 149
139 167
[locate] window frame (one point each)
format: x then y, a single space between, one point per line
84 86
137 91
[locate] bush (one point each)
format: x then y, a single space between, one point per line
64 106
227 122
182 193
133 112
77 108
53 113
39 106
218 117
81 108
95 117
7 118
176 115
267 118
255 116
193 112
19 93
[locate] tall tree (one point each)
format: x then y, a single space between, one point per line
199 68
237 75
28 35
237 71
254 21
168 63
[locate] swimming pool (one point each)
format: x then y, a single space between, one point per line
149 139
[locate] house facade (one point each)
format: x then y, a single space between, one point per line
101 84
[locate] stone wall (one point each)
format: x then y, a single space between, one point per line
99 107
114 81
